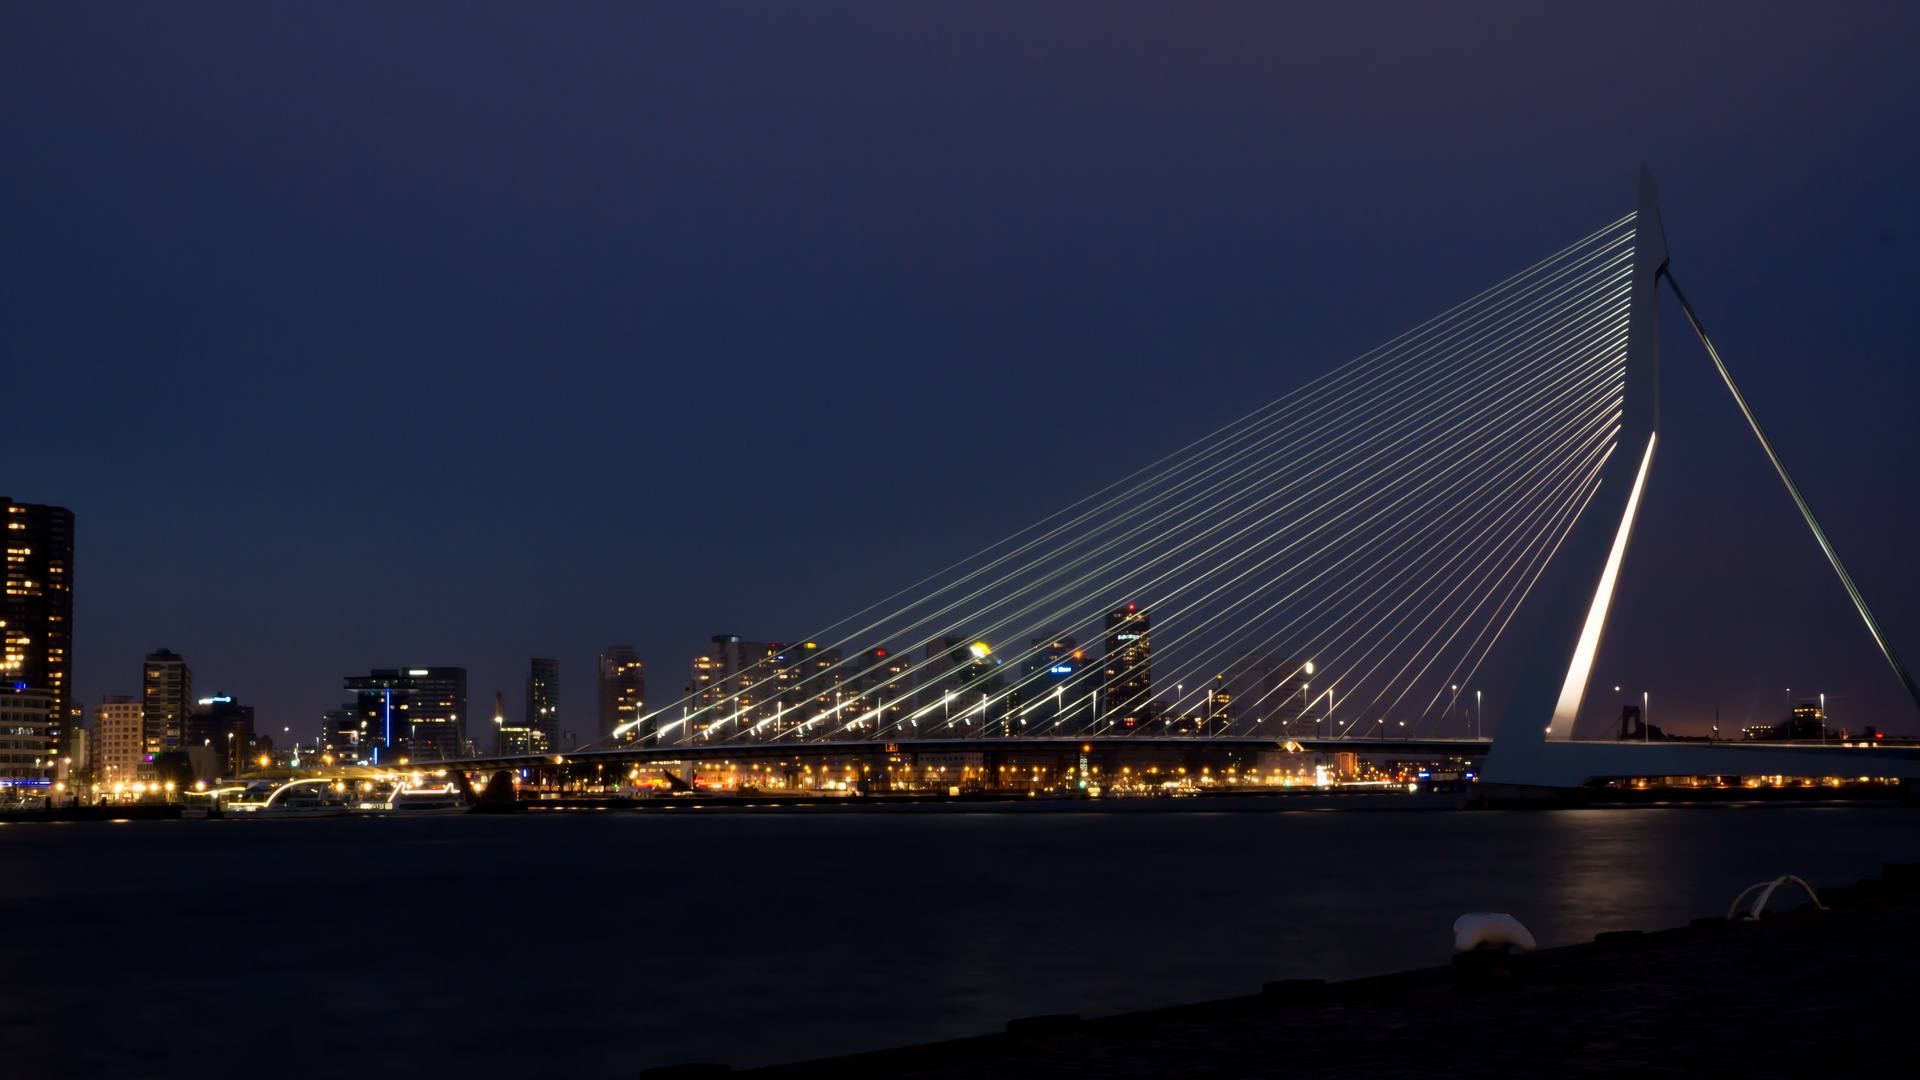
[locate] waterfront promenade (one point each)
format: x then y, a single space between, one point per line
1801 994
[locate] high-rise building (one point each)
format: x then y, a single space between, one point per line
225 727
438 709
807 686
36 617
1270 694
937 676
119 743
511 736
416 714
955 681
381 727
27 747
724 692
543 702
1222 710
340 735
1053 680
878 696
623 698
166 696
1128 703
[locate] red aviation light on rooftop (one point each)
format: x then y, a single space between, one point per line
879 652
1129 607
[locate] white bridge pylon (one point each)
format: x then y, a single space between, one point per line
1535 747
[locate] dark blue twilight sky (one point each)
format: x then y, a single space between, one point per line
368 334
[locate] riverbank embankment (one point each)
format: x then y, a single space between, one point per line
1807 994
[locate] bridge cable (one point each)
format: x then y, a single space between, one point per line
1193 628
1149 585
1859 602
1547 267
1364 443
1163 514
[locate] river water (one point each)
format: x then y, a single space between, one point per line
594 945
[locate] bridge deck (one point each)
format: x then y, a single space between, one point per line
1139 745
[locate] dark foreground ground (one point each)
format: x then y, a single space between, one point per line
1802 994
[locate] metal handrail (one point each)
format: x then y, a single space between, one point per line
1760 904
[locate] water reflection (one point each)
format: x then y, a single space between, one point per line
597 945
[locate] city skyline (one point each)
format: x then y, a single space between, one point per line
755 682
738 691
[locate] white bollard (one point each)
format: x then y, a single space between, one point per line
1479 929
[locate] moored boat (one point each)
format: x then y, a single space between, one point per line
299 799
404 801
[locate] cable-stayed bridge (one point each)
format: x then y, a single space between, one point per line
1415 549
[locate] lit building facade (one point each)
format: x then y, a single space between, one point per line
623 699
166 697
381 726
877 697
1222 709
28 741
1806 721
36 620
724 690
225 727
1270 695
511 736
415 714
438 708
956 682
1128 703
543 702
807 686
1053 684
340 735
938 676
119 743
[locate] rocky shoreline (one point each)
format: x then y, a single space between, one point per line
1807 994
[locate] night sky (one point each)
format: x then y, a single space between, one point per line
365 335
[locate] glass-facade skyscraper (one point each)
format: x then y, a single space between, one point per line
1129 674
36 614
543 702
623 698
166 697
415 713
